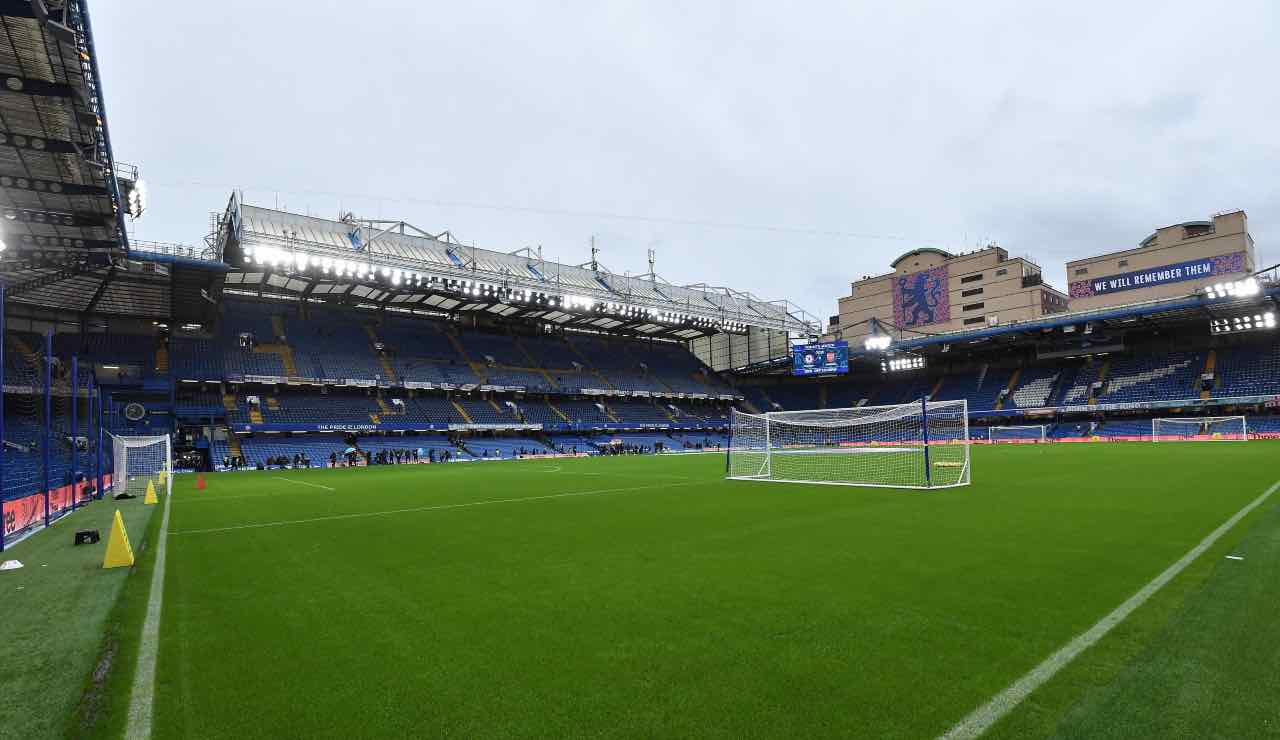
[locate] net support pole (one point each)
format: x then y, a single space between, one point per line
48 417
733 419
924 426
768 445
2 497
75 428
97 421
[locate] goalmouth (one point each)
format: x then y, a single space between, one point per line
1200 429
140 461
922 444
1024 434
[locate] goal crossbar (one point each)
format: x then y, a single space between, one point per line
921 444
1017 433
139 462
1200 429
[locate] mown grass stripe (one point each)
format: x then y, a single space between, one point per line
438 507
142 696
982 718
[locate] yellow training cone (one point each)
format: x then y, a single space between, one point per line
118 550
162 476
151 494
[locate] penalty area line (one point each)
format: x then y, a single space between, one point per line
982 718
437 507
302 482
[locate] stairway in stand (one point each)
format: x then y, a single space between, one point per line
388 372
462 412
476 367
558 412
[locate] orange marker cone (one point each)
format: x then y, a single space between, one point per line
199 481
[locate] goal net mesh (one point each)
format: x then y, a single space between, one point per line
1017 434
139 460
1201 428
911 445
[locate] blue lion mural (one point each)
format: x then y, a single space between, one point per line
921 298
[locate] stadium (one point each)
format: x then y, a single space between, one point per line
336 475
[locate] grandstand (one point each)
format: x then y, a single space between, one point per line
381 350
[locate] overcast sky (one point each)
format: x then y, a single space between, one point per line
780 148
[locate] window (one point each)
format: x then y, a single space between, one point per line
971 292
1082 271
1124 263
974 320
971 278
1001 271
974 306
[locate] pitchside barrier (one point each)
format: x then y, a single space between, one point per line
52 457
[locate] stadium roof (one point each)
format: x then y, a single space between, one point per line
58 180
155 281
63 197
394 265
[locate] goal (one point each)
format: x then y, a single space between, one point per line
141 460
913 445
1027 434
1200 428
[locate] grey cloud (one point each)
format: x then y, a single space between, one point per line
784 151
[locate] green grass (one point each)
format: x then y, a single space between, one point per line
53 615
660 600
1213 671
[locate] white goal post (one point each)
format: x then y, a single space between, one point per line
1200 429
921 444
1027 433
139 461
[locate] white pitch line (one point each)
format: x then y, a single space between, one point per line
439 507
144 679
302 483
214 499
982 718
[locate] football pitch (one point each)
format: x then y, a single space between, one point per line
648 597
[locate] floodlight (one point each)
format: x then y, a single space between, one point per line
1238 289
1247 322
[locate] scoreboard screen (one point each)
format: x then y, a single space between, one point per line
823 358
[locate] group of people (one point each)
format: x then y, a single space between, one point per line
394 456
299 460
705 444
401 456
630 449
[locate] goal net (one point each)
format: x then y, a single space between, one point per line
911 445
1200 428
141 460
1027 434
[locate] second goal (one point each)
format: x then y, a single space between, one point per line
1025 434
912 445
